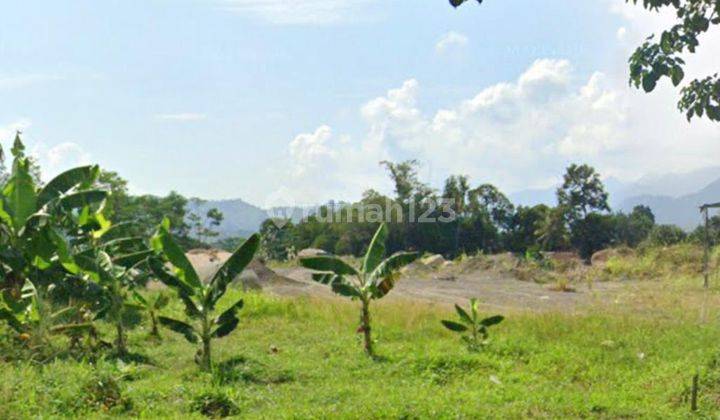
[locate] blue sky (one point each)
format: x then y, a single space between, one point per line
280 102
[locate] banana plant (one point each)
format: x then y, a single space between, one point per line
372 281
200 299
33 318
30 214
28 209
474 330
152 305
117 277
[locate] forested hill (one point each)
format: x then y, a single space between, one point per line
682 211
240 218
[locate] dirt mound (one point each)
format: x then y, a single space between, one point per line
256 276
601 257
311 252
433 261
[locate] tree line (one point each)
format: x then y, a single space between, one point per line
468 219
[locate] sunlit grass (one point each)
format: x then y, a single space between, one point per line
300 358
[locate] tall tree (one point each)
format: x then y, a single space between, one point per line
456 193
491 200
582 192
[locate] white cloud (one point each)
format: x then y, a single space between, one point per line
451 40
310 148
300 12
516 134
185 116
54 159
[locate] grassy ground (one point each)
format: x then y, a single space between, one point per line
301 358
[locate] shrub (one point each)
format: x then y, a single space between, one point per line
214 404
104 392
473 329
666 235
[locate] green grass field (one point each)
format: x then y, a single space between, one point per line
301 358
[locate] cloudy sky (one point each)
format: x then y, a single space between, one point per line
296 102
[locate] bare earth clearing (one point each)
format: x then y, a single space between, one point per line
443 285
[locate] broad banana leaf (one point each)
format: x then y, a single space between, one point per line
454 326
328 264
226 328
376 250
229 313
493 320
164 244
232 268
326 278
191 309
464 316
80 199
131 260
345 289
19 193
180 327
170 280
392 264
64 182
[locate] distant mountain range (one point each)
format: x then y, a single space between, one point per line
682 211
242 219
674 199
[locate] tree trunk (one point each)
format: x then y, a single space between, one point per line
205 360
120 343
365 324
155 332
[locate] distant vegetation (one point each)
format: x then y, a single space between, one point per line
466 219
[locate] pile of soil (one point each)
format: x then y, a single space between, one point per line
255 277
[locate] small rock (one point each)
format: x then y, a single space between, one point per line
434 261
311 252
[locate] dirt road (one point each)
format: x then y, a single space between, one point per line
495 289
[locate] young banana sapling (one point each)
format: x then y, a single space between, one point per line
200 299
372 281
474 330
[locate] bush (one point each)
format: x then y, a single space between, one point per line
657 262
103 391
666 235
214 404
